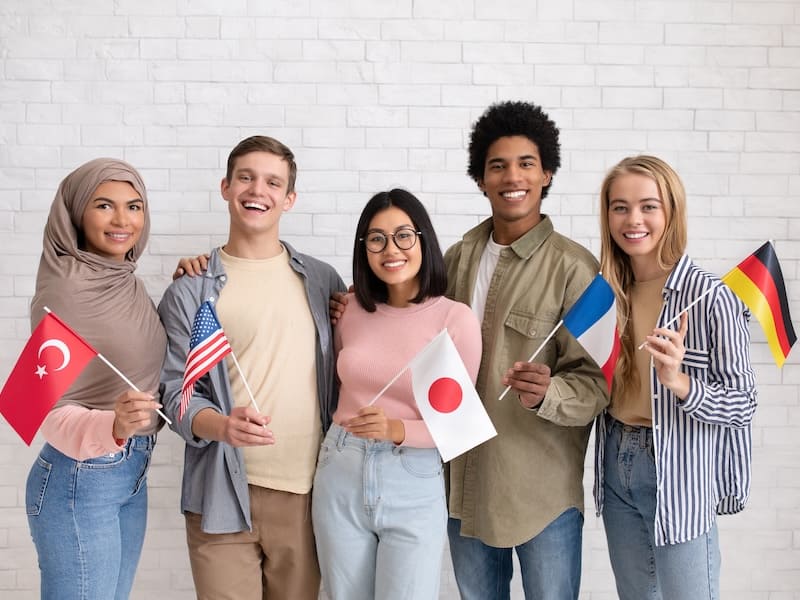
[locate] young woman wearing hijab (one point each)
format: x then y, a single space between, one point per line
86 494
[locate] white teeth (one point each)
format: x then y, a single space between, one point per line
255 205
121 237
393 264
517 194
635 236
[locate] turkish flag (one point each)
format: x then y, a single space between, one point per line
51 360
447 400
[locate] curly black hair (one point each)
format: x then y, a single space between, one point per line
505 119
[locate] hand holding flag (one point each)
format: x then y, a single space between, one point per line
30 393
447 400
593 322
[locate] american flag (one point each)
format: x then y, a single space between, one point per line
207 346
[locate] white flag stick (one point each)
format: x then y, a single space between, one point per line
403 370
678 316
539 349
244 380
122 376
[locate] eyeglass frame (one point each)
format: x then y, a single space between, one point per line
386 236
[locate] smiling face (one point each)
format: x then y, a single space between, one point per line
637 220
257 194
513 179
398 269
113 220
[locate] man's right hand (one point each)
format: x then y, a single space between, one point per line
337 306
191 266
245 426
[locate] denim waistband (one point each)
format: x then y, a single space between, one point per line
341 438
612 422
141 442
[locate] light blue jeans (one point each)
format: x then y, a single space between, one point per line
644 571
550 563
87 519
379 519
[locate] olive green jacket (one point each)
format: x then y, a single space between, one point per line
510 488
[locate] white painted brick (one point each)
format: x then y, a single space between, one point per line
315 116
365 159
468 95
571 97
512 75
347 95
631 33
611 54
413 30
377 116
565 75
621 97
488 52
439 74
390 137
438 117
409 95
693 98
473 31
370 181
435 52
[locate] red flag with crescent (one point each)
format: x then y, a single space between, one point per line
51 360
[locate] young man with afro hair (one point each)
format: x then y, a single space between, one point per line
523 489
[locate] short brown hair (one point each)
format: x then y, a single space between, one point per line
263 143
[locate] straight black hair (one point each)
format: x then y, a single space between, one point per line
370 290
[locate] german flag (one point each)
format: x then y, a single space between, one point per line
758 281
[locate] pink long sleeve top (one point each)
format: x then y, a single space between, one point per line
373 347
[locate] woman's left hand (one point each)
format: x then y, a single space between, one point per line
667 349
371 423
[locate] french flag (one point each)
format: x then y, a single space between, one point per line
593 321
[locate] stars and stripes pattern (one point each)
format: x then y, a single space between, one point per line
207 346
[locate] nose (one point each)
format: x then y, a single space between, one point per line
512 173
120 215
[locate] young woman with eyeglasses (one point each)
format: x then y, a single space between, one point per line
378 503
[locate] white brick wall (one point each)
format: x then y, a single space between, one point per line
378 93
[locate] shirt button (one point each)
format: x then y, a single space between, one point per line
222 278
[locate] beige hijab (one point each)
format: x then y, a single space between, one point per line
99 298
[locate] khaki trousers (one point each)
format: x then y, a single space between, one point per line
277 560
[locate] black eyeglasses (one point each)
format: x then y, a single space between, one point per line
404 238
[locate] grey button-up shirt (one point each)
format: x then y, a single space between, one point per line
214 476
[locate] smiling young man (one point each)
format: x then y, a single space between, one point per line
523 489
249 462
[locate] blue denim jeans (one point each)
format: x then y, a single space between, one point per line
87 519
644 571
550 563
379 518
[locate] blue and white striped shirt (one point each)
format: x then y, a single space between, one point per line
702 444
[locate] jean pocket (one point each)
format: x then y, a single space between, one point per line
143 474
421 462
105 461
37 486
324 455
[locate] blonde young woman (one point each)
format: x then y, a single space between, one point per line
673 448
86 494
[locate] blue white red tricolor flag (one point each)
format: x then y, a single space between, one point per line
207 346
593 321
447 400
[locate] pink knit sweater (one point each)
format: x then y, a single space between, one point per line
373 347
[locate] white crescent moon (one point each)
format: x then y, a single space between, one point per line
56 344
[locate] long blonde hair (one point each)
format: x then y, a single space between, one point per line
616 265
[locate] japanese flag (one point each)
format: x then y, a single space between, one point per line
447 400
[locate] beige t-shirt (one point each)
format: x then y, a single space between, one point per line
265 314
635 407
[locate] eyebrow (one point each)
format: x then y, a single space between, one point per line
523 157
249 171
104 199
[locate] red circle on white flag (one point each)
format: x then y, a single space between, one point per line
445 395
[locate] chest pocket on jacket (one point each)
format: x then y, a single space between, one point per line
696 363
527 333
